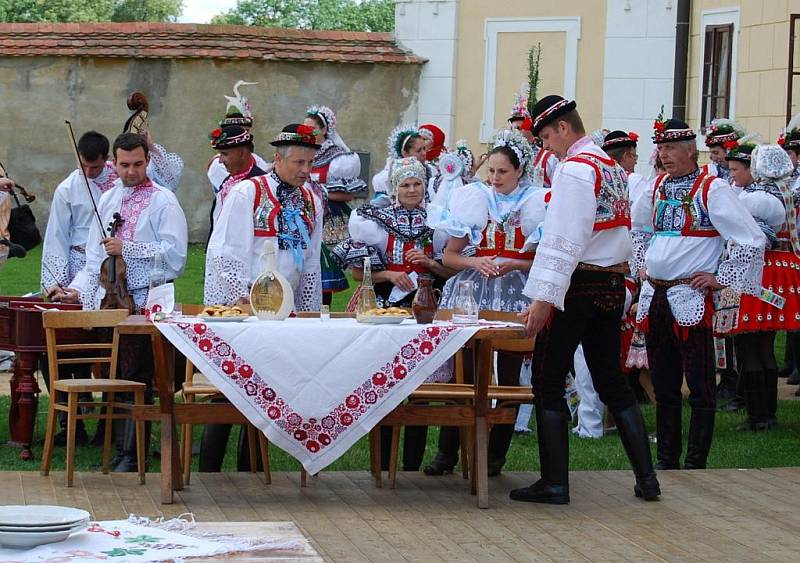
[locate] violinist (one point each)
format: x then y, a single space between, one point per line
152 223
6 185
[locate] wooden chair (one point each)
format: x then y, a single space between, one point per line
197 388
458 393
90 354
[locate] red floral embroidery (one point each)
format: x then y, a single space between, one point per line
312 434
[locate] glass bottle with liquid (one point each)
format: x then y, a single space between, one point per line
158 273
366 292
465 308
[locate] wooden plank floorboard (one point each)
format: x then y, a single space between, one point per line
712 515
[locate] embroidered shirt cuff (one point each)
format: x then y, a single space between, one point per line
743 268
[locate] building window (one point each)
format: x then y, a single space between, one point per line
716 95
794 72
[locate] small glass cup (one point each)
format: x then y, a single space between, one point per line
177 310
324 313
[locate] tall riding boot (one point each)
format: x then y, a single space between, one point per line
630 426
213 445
414 442
499 443
771 411
701 433
243 452
554 454
128 462
755 396
447 457
668 436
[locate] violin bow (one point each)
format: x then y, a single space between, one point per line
85 179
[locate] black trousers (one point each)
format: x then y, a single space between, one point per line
592 316
672 357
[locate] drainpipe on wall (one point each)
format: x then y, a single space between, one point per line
681 60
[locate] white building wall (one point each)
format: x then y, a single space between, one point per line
639 62
430 29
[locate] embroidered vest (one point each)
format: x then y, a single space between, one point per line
266 208
496 242
693 207
397 250
611 190
541 162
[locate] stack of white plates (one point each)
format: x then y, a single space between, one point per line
28 526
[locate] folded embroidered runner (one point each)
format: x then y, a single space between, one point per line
314 388
139 540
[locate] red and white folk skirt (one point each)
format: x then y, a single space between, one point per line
781 275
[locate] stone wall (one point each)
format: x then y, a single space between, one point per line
186 100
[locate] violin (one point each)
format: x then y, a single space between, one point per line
137 122
114 278
29 197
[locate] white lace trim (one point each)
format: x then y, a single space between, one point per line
743 268
309 292
688 305
645 297
226 281
640 241
547 291
560 244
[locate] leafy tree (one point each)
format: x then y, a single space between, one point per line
26 11
343 15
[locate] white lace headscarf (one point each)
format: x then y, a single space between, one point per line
329 119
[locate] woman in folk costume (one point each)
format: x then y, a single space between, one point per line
763 172
789 139
337 168
404 141
718 133
401 248
435 138
502 221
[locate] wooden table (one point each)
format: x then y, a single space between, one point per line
170 415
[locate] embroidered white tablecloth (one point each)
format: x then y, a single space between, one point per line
315 387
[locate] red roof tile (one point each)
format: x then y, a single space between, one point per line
192 41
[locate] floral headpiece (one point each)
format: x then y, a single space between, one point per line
520 108
721 131
404 168
517 143
741 149
400 137
790 136
617 139
671 130
467 157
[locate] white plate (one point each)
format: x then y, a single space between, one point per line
49 528
22 540
383 320
40 515
229 319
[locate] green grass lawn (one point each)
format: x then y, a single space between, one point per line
731 448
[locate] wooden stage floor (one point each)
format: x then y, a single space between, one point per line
719 515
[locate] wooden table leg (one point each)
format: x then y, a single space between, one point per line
481 461
485 366
170 464
24 403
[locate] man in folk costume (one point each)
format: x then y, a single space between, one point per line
153 225
279 207
577 288
679 235
239 113
719 132
234 146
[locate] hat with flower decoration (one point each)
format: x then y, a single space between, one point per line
790 136
238 111
230 136
618 139
741 149
671 130
548 109
296 134
721 131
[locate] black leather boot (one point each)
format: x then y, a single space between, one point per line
755 397
81 437
447 457
701 433
213 445
128 462
668 437
771 410
415 439
630 426
554 455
